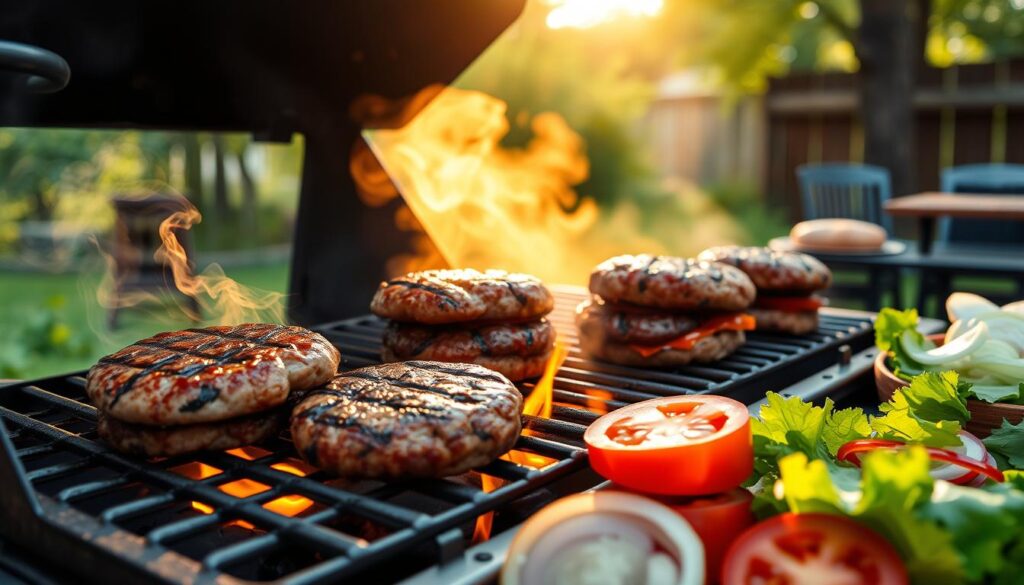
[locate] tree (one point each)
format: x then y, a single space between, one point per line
744 42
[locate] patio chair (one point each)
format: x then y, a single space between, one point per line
845 190
980 236
852 191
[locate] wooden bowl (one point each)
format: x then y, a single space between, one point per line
985 417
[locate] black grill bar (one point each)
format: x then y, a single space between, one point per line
351 530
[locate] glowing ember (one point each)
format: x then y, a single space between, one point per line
482 530
289 505
596 400
537 404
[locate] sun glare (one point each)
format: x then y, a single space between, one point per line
588 13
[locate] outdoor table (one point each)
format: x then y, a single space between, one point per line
927 207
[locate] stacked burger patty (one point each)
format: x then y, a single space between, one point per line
786 285
493 318
212 388
663 311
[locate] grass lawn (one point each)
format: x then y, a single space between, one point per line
52 323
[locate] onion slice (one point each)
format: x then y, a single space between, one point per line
961 306
850 452
548 537
957 349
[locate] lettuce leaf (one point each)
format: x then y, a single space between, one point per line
995 392
930 411
894 486
1008 442
890 326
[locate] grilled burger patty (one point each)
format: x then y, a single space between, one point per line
436 297
706 349
795 322
668 282
211 374
599 320
176 440
789 272
410 419
518 351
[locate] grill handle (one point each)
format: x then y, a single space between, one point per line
41 71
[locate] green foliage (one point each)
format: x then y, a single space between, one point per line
1007 442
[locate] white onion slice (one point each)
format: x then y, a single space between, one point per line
957 349
541 539
962 306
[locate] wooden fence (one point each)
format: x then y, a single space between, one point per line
965 114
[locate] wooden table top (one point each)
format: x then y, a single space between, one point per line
957 205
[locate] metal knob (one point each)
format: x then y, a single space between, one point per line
39 70
845 355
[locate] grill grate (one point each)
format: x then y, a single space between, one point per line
117 516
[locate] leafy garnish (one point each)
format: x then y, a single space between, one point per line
1008 442
890 325
894 485
929 411
996 392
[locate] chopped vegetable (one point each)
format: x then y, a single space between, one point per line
687 341
679 445
1008 442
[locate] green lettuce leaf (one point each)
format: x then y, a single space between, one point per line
889 327
894 486
995 393
1008 442
790 425
899 423
984 523
936 396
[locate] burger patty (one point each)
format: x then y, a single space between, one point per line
789 272
176 440
668 282
458 344
795 322
407 420
628 325
436 297
211 374
707 349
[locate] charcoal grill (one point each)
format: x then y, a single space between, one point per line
109 516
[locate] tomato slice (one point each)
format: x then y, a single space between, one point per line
679 445
718 520
789 304
732 322
849 452
811 549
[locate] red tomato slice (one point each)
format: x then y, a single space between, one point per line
812 549
733 322
791 304
680 445
718 520
849 453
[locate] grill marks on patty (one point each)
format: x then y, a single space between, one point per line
411 419
772 271
631 325
668 282
456 344
210 374
437 297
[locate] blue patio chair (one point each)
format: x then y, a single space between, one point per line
850 191
991 179
853 191
968 237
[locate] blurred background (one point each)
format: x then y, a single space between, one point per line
616 125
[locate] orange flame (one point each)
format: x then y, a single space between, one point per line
483 204
538 403
289 505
